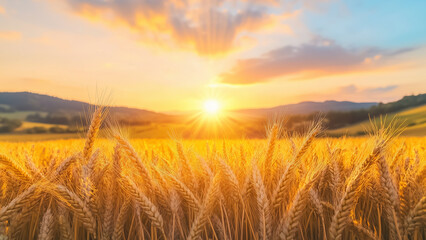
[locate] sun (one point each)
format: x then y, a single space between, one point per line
211 106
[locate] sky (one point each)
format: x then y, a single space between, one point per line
168 55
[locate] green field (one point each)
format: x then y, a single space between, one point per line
414 119
20 115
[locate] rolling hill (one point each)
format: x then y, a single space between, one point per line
413 118
41 113
20 104
309 107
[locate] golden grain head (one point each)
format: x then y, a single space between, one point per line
306 187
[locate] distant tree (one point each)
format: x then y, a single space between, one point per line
338 119
57 119
9 125
36 117
57 130
71 130
36 130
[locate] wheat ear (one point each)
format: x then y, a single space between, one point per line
417 217
147 206
273 134
342 213
206 210
295 213
108 216
186 193
265 218
95 124
362 232
229 181
390 198
279 192
78 206
65 164
47 226
131 152
120 221
64 226
35 172
20 173
17 203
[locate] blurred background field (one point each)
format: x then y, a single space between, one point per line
28 116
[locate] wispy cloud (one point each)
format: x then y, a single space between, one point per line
207 27
318 58
352 89
10 35
2 10
353 92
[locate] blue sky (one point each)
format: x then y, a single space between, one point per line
386 24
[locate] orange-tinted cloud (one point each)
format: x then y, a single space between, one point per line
10 36
2 10
353 92
207 27
352 89
318 58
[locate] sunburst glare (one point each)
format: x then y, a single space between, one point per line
212 106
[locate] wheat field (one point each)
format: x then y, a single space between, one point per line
304 187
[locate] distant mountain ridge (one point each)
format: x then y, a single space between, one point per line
37 113
309 107
27 101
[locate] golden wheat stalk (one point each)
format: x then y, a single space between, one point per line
6 212
94 126
283 182
35 172
65 164
47 226
186 193
391 199
229 181
64 226
206 209
417 217
188 175
120 221
147 206
342 213
279 193
362 232
108 215
265 218
273 135
20 173
77 205
295 213
131 152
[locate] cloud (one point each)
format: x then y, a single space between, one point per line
352 89
353 93
318 58
10 36
208 27
2 10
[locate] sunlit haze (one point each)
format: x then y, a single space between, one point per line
167 55
211 106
